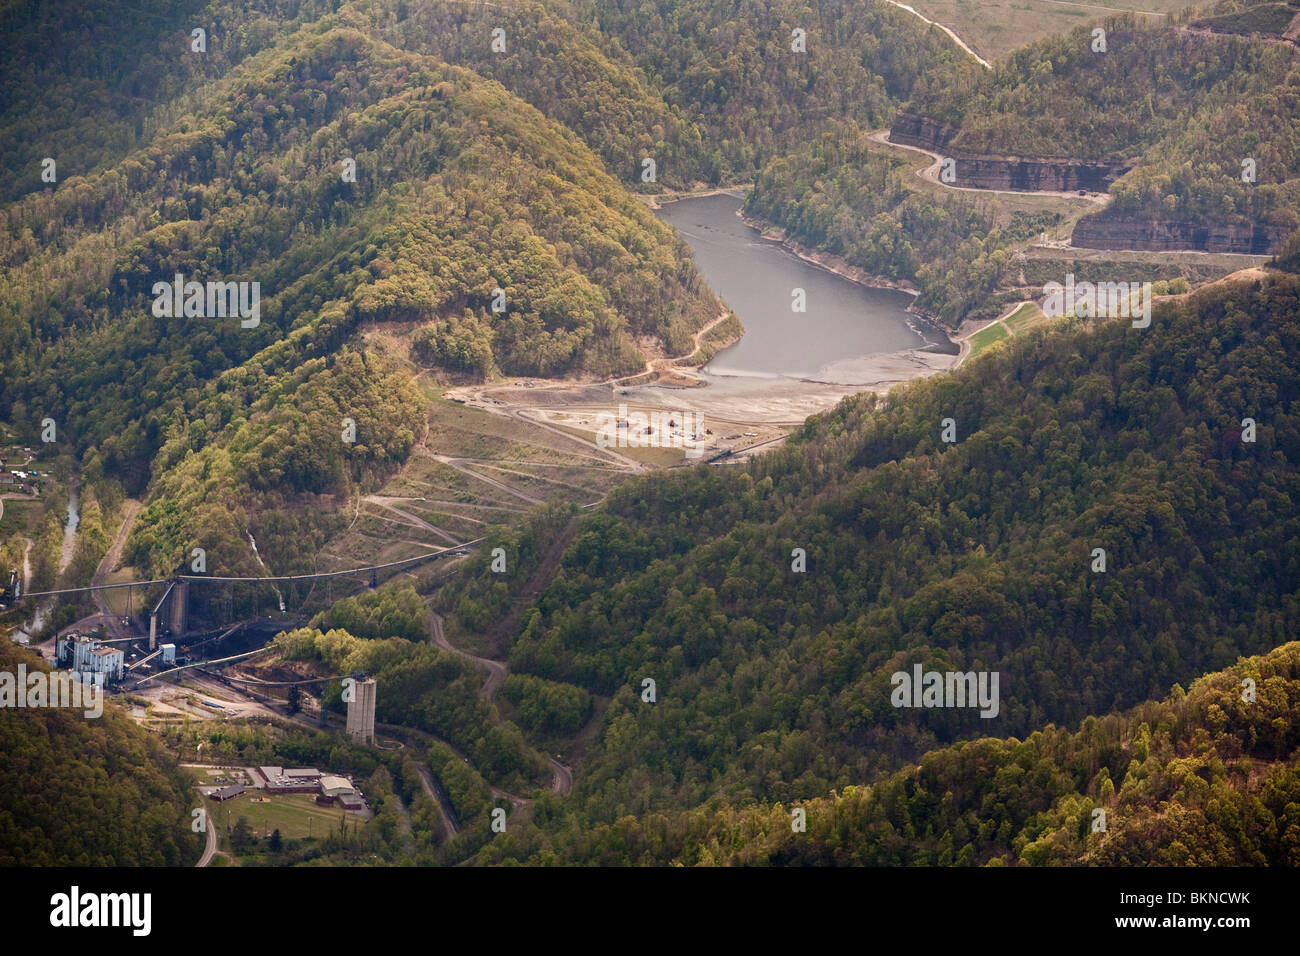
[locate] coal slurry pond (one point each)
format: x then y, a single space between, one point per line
845 324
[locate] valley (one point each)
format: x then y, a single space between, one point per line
651 433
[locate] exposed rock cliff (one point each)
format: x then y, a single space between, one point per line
1056 174
1031 174
986 171
1101 231
911 129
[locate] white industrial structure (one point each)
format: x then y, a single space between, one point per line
87 657
361 711
108 661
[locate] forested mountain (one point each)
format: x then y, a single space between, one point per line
1206 122
258 178
1069 96
456 183
89 82
1202 778
1190 107
734 66
708 90
565 67
775 685
459 188
84 791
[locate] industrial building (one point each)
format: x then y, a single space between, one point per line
361 712
109 661
279 780
350 801
340 791
87 657
335 786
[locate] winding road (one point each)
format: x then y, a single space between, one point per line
412 521
931 174
211 849
460 465
496 670
562 776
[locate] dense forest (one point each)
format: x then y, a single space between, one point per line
1188 106
85 791
1202 778
1113 520
107 74
390 611
734 67
975 555
708 90
1062 97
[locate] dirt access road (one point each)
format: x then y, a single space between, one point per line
110 561
386 502
562 776
955 39
496 670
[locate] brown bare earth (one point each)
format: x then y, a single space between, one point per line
993 28
109 563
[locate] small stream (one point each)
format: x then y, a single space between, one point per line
264 567
46 607
70 526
